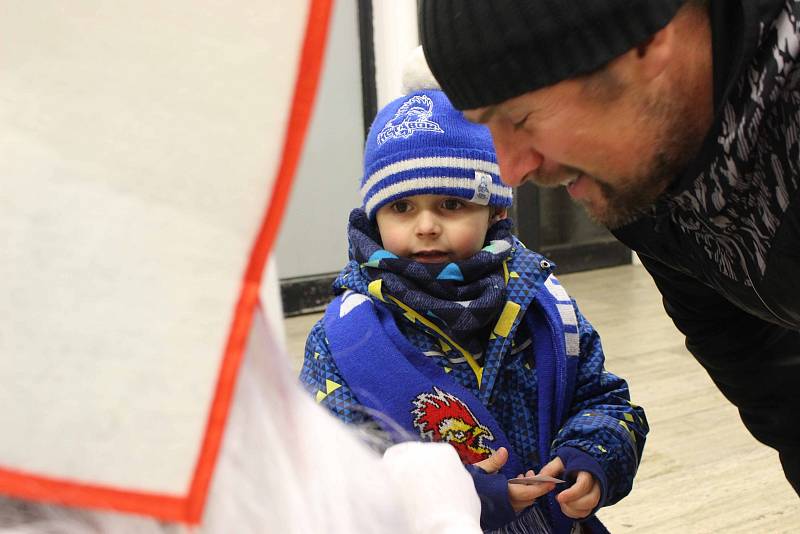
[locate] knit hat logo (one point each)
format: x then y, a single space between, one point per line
414 115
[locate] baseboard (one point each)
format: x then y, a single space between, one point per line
574 258
306 294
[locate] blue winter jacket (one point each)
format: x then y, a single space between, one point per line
546 402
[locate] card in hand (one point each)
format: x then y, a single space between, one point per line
536 479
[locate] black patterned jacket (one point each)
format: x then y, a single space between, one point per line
723 244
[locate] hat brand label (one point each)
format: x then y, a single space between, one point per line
482 192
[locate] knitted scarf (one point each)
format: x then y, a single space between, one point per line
462 298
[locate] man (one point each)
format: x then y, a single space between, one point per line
677 125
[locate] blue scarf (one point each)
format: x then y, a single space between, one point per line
405 391
412 398
461 298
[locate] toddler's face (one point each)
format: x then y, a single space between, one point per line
434 228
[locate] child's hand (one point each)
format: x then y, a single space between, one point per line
523 495
494 462
582 497
520 495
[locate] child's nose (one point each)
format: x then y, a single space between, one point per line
427 224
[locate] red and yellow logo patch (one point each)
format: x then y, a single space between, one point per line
440 416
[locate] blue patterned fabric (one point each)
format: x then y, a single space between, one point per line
420 400
600 421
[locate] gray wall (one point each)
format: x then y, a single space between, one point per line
313 236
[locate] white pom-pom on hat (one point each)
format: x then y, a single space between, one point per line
416 73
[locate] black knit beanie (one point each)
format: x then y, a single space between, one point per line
483 52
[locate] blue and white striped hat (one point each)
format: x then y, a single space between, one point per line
419 144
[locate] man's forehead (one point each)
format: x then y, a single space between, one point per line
538 104
530 102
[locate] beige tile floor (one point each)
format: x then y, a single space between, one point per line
701 471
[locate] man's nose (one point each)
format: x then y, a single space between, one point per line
515 155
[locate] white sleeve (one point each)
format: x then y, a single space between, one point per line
436 491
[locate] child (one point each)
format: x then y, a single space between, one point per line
446 328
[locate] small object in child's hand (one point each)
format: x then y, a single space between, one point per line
536 479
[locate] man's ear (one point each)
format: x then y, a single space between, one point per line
648 60
498 215
655 54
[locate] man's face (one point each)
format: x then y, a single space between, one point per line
614 148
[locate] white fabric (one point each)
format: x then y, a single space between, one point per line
288 467
435 489
138 144
417 74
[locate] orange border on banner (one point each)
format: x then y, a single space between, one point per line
189 509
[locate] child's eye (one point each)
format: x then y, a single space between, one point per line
452 204
401 206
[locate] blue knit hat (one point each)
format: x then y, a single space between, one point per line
419 144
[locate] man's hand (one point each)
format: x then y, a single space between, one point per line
581 498
520 495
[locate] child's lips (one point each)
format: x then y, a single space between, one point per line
430 256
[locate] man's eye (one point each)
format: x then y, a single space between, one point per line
452 204
520 123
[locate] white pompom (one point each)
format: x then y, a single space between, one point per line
416 73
